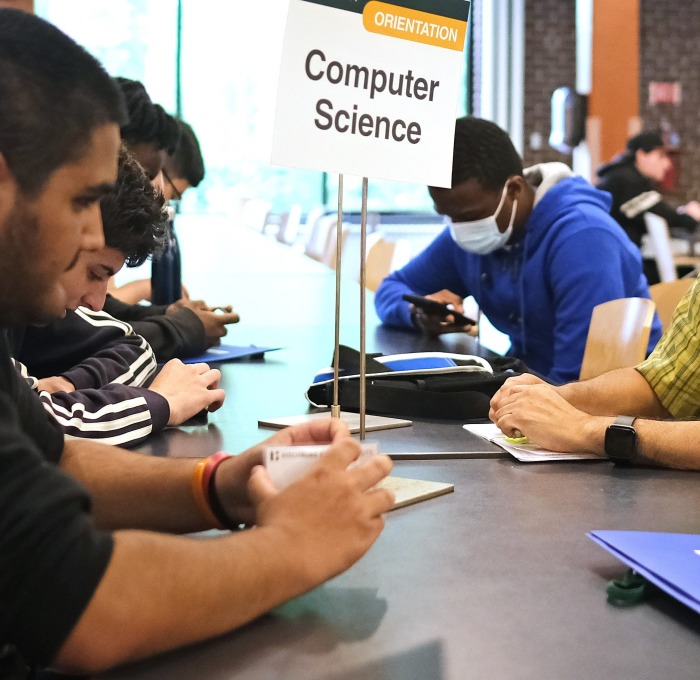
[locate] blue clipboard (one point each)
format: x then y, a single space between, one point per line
669 561
229 353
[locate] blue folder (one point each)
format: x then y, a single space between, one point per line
228 353
669 561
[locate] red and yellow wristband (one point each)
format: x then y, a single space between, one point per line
204 491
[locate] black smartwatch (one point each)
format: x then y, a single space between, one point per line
621 440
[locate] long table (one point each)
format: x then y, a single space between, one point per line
496 580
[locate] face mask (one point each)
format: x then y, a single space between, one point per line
483 236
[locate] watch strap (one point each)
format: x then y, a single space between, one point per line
625 420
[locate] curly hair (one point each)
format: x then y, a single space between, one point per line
484 152
53 95
133 215
148 123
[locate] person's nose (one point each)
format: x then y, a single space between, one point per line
158 182
95 296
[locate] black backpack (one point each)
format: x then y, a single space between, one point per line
417 385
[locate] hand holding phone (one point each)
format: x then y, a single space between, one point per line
432 307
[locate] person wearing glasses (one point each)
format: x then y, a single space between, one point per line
173 324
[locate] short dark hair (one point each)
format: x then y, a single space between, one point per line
133 215
148 123
186 161
53 94
645 141
484 152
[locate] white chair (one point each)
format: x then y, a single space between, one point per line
666 261
255 214
318 236
289 225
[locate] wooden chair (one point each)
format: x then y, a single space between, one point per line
666 296
618 336
667 262
384 257
380 256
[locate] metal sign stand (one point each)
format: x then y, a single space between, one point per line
335 408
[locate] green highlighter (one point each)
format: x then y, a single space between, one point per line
517 440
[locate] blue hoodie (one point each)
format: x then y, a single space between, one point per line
540 291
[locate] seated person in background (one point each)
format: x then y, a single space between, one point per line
181 328
151 133
91 575
184 167
89 368
536 248
632 178
577 417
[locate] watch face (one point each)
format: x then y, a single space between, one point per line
620 442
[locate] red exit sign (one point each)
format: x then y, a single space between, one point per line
664 93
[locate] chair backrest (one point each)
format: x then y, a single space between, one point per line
666 296
617 336
379 258
317 240
657 228
289 225
255 213
329 254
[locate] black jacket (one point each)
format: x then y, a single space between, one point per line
633 194
179 334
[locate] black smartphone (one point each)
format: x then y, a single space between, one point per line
432 307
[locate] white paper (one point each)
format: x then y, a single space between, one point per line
287 463
528 453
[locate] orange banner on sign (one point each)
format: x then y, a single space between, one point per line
409 24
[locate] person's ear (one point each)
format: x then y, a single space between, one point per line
8 191
516 186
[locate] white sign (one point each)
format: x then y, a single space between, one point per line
370 88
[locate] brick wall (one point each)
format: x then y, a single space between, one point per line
550 49
669 32
550 62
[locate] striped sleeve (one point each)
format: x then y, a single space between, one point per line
116 414
673 368
125 358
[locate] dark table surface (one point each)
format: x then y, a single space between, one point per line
496 580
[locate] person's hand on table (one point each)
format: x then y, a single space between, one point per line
186 303
330 516
215 324
234 474
246 491
188 389
437 324
55 383
529 407
214 319
691 208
